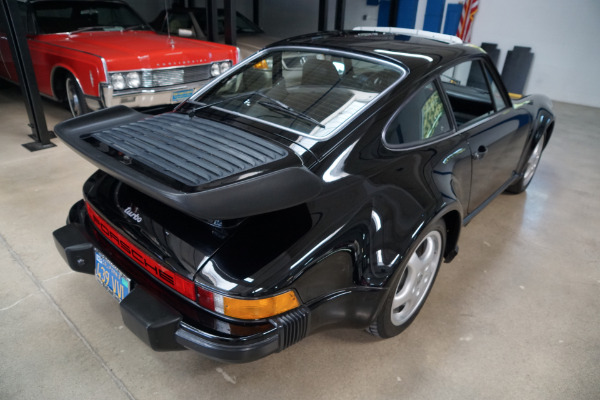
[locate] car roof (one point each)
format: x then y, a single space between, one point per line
420 55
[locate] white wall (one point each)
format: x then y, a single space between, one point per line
358 13
564 36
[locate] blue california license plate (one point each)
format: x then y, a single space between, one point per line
111 277
181 95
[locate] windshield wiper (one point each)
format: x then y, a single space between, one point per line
89 28
136 27
202 106
276 105
270 103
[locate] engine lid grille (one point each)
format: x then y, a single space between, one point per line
190 151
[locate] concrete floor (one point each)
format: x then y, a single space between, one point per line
515 316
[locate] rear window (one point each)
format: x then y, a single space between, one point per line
311 93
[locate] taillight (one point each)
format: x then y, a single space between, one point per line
230 306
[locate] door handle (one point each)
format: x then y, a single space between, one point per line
480 153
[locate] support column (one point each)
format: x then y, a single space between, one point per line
211 11
230 23
22 59
340 13
323 14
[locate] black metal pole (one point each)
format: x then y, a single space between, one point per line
323 11
340 13
22 60
256 12
211 8
393 21
230 25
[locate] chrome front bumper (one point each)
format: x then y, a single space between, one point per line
149 97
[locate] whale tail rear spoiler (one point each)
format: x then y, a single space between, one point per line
203 168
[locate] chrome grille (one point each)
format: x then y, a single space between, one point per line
175 76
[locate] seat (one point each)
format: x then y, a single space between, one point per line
319 72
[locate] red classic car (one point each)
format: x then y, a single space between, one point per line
95 54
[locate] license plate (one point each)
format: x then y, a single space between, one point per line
181 95
111 277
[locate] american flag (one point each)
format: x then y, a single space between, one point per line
466 20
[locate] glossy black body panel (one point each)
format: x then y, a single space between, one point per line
334 228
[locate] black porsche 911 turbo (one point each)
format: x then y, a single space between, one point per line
318 184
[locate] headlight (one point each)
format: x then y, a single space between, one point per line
133 79
224 66
118 81
215 70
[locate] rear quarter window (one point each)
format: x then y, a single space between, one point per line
421 118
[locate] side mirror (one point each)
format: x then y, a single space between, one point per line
185 32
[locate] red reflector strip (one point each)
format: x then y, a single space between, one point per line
173 280
205 298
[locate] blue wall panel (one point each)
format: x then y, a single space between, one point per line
433 15
407 13
452 18
383 18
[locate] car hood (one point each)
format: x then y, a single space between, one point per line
127 50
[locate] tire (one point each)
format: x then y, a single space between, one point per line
74 97
411 285
529 169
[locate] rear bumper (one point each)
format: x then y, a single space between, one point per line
164 320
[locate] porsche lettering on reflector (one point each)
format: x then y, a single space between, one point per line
111 277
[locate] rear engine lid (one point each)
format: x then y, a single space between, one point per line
171 238
201 167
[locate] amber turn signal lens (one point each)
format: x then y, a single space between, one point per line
260 308
262 65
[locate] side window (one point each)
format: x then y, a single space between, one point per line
468 88
421 118
496 94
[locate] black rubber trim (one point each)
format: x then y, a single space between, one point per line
151 320
239 350
75 249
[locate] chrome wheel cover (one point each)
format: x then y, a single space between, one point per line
73 97
532 163
417 278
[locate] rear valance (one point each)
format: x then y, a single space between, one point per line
201 167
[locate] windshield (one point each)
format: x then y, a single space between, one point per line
66 16
308 92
